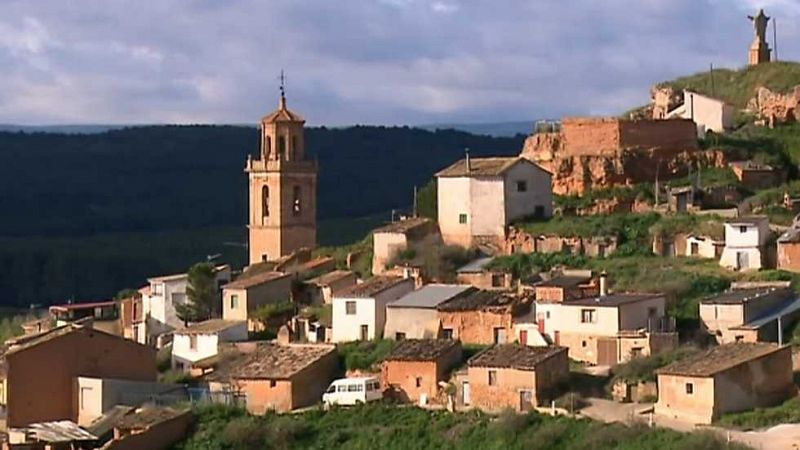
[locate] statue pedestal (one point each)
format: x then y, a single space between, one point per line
759 53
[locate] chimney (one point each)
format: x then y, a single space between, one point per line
469 165
603 284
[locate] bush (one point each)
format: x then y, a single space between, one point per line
788 412
245 433
571 401
643 368
362 355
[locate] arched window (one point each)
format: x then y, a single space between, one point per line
296 207
265 201
294 146
267 145
281 146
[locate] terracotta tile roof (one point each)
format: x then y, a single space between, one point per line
255 280
267 361
514 356
371 287
330 277
480 167
210 326
719 359
317 263
404 226
147 416
282 114
475 301
421 349
74 306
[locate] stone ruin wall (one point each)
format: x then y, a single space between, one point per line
593 153
774 107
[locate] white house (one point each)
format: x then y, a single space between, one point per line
158 303
479 197
708 113
201 340
414 316
745 243
359 313
701 246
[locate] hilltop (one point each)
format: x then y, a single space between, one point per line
738 86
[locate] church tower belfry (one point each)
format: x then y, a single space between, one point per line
283 188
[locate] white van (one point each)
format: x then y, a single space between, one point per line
351 391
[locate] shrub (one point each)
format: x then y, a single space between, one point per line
245 433
571 401
363 355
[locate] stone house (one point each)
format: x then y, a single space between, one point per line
414 316
201 340
481 317
359 313
40 370
415 367
271 377
514 376
757 176
745 243
151 428
749 315
479 197
724 379
320 290
608 329
709 114
478 273
789 249
242 298
131 316
161 317
390 240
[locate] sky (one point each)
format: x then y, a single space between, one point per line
360 61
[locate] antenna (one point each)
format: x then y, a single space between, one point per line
467 161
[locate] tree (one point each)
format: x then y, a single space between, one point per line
125 293
201 294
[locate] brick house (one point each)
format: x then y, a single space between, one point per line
241 298
479 274
41 370
567 285
515 376
749 314
481 317
272 377
724 379
415 367
756 176
789 249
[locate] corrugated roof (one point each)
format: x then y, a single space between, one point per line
371 287
421 349
514 356
476 265
210 326
719 359
430 296
255 280
56 431
784 309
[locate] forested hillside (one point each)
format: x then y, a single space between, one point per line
84 215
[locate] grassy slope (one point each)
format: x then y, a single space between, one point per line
739 86
378 426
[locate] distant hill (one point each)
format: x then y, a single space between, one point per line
61 129
738 86
497 129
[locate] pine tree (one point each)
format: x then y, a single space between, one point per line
201 294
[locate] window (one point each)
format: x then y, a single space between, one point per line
359 388
296 207
263 257
695 248
522 186
350 308
742 229
636 352
265 201
234 301
739 338
652 311
498 279
352 388
588 316
462 218
342 388
583 343
538 211
399 336
331 389
447 333
85 393
193 342
492 378
281 146
499 335
689 388
419 381
158 288
272 383
547 314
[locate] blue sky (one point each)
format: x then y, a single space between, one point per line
360 61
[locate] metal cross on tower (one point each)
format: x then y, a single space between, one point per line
282 78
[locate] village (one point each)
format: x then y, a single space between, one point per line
508 299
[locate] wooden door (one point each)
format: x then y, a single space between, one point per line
606 351
523 337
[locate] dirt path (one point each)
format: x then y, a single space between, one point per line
781 437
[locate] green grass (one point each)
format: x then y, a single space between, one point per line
738 86
787 412
387 427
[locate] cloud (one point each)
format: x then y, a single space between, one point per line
378 61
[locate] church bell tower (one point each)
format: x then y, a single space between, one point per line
283 188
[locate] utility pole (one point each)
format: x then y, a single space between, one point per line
415 201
